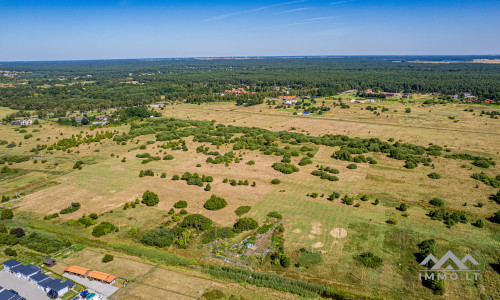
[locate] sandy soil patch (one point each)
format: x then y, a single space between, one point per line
318 245
316 228
338 233
297 230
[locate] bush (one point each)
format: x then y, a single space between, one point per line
403 207
103 229
333 196
348 200
392 221
196 221
10 252
17 232
244 224
479 223
180 204
496 217
73 207
275 214
352 166
481 163
434 175
215 203
132 231
162 237
175 177
150 198
208 187
168 157
436 202
285 168
275 181
7 214
107 258
369 260
242 210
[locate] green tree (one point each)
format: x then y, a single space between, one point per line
107 258
7 214
149 198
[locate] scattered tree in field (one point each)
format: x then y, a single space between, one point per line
103 229
352 166
242 210
208 187
245 224
7 214
434 175
479 223
403 207
275 181
215 203
348 200
333 196
181 204
149 198
107 258
436 202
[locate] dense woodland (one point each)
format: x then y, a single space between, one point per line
84 85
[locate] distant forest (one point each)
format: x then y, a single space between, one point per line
84 85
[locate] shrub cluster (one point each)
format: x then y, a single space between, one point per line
215 203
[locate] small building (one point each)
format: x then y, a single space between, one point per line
9 295
56 288
39 279
101 277
21 122
76 270
7 265
49 262
26 271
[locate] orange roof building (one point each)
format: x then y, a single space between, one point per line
102 277
76 270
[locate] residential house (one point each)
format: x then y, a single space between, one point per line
26 271
7 265
40 279
6 294
56 288
21 122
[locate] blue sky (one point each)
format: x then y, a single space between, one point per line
102 29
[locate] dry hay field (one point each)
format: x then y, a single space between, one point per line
336 230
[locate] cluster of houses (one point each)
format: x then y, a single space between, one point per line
33 274
21 122
237 91
6 294
362 101
90 274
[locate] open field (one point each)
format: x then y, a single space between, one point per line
339 232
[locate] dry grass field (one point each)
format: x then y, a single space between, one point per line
338 231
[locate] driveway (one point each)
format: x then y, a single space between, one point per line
95 286
25 288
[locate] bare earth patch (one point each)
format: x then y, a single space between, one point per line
338 233
297 230
316 228
318 245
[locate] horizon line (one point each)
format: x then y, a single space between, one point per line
251 57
